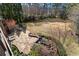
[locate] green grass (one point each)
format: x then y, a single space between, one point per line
33 53
35 50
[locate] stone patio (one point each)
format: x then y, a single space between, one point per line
24 42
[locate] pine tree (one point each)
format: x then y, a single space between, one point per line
12 11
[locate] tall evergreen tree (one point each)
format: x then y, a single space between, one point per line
12 11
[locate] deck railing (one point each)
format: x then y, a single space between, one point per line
5 43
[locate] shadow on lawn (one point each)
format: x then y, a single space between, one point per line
61 50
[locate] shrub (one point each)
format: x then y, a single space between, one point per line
16 52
